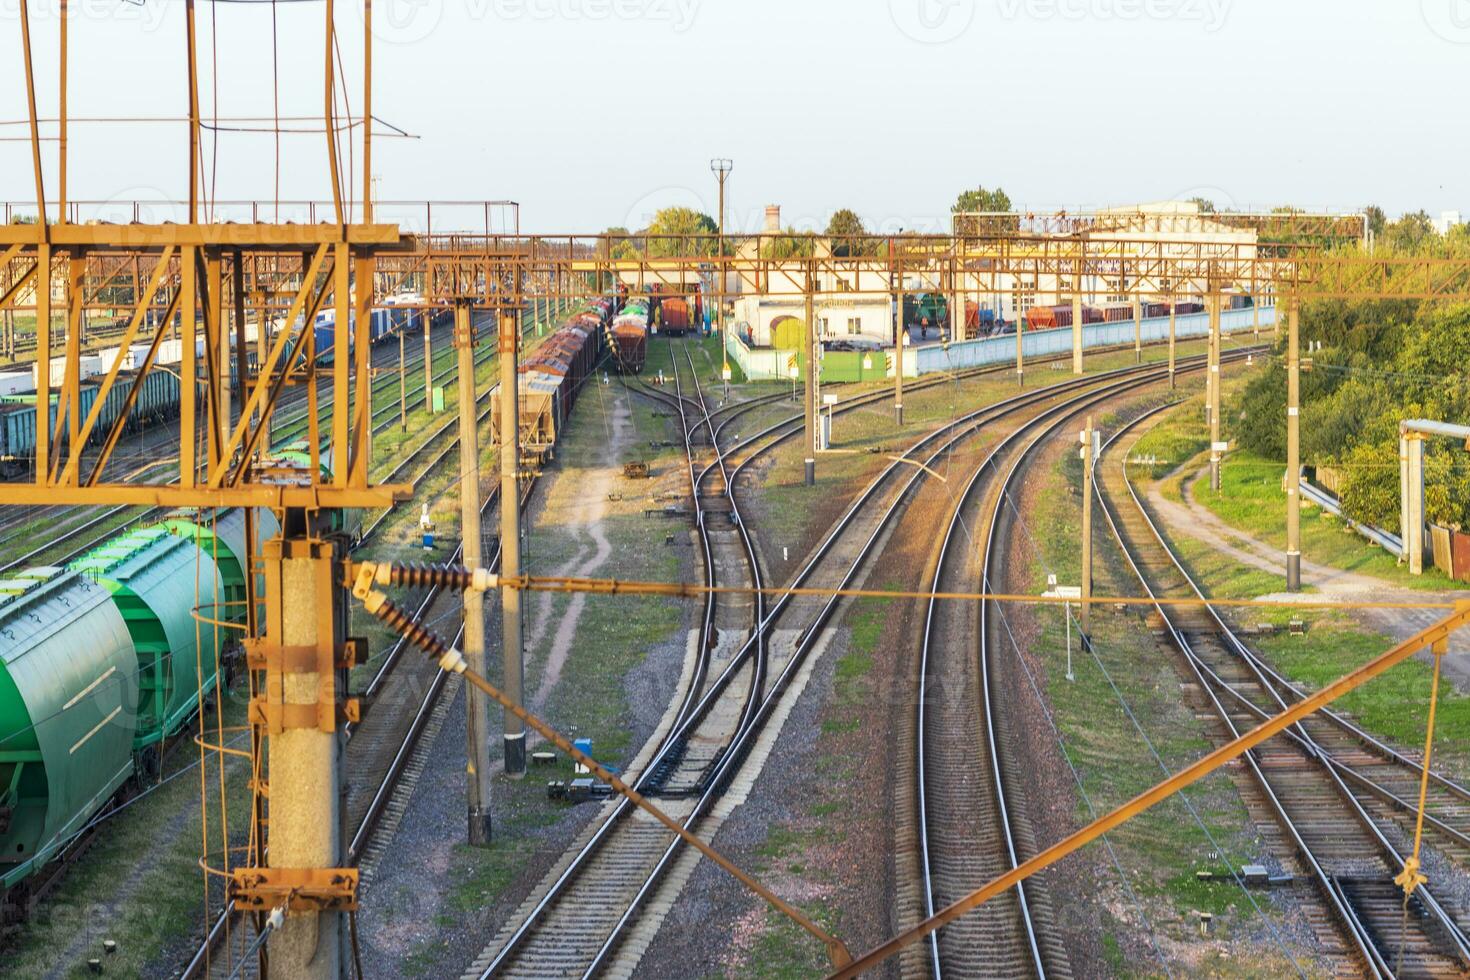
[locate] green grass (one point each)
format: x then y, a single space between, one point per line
1253 501
785 951
1163 848
1393 706
613 636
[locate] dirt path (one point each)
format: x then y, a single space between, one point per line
584 518
1195 520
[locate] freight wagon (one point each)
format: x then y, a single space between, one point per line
1051 317
629 336
548 384
158 399
103 662
674 317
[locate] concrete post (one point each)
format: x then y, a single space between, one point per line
1213 305
306 611
1020 353
1414 536
1084 609
1171 343
810 399
477 706
957 325
900 338
1293 451
510 538
1403 497
402 387
428 365
1077 331
1137 330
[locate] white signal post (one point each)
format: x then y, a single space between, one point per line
1064 592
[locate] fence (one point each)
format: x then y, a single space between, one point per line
766 364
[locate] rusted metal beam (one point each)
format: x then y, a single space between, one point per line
134 324
115 433
264 372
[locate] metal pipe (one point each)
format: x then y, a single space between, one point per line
61 118
190 42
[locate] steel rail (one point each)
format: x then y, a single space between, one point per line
1211 683
806 640
683 718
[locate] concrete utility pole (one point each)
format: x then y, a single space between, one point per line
957 325
428 365
1020 353
306 626
510 536
1411 470
1077 330
1137 330
402 386
477 705
1213 304
1089 460
900 336
810 402
1293 451
722 168
1171 343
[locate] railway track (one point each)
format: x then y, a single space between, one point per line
383 807
1327 794
620 861
971 823
588 904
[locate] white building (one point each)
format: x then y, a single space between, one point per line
1446 221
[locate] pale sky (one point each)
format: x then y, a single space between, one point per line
596 112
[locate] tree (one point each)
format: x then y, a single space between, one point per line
790 244
844 228
1411 233
1205 205
981 199
619 245
697 229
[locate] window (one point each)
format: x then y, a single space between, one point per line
854 324
822 324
